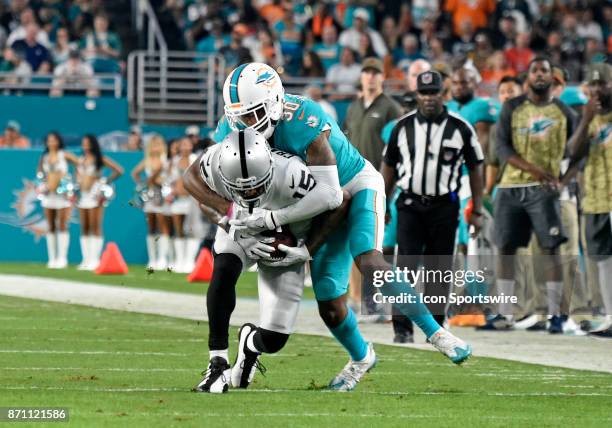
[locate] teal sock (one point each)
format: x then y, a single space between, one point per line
417 312
349 336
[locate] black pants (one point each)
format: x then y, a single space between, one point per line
426 229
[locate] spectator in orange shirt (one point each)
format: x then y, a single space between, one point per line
12 138
496 68
476 11
520 55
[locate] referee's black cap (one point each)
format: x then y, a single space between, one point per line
429 81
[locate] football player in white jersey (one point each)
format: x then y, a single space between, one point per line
243 169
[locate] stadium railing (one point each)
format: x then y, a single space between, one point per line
176 87
102 83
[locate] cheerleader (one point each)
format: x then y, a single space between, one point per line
56 191
185 249
153 165
92 185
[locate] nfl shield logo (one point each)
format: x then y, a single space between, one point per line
427 78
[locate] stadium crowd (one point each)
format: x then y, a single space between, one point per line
70 40
479 47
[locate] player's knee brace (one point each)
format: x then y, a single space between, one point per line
269 341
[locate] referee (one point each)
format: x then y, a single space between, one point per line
426 151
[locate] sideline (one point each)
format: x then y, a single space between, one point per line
583 353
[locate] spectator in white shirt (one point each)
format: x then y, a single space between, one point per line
26 18
74 74
587 28
351 36
344 76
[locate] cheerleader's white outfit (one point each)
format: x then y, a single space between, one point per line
54 200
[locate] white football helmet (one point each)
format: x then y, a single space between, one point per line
253 94
246 166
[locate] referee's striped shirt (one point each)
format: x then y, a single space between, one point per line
428 155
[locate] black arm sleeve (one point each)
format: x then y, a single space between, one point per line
503 137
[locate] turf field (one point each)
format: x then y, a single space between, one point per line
137 277
124 369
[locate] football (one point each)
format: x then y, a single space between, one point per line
281 235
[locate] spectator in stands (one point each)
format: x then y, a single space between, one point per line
476 12
464 43
328 49
62 46
12 138
192 132
351 37
520 54
482 50
322 19
594 51
215 40
588 28
266 49
134 141
81 15
408 53
496 68
424 12
343 76
36 54
427 36
236 53
365 47
572 46
506 34
27 18
437 52
289 34
14 63
311 65
315 93
9 18
390 33
74 75
101 45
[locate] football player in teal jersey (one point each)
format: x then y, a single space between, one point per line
254 98
481 113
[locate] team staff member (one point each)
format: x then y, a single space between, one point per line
426 152
594 139
365 119
532 134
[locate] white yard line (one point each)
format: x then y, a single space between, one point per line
562 351
284 391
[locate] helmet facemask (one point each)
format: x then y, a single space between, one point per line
249 192
261 117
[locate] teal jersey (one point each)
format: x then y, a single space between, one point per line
385 134
303 121
476 110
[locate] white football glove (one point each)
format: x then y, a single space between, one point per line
257 222
254 246
299 254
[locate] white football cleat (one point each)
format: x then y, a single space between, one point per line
246 360
454 348
216 377
353 371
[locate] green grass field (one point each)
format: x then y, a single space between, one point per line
137 277
123 369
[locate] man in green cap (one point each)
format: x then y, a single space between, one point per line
593 140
